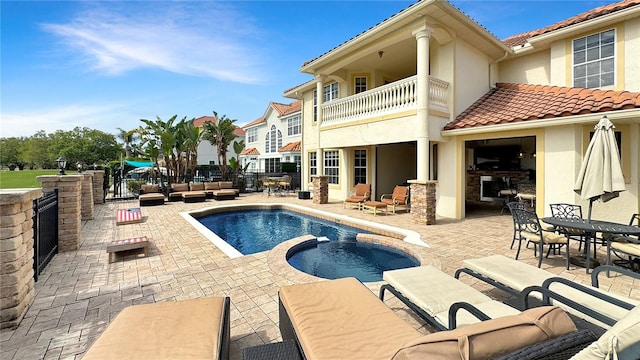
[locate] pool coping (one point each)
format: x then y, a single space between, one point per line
388 231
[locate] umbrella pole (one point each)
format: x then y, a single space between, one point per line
590 207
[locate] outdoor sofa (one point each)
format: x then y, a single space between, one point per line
186 329
192 192
220 190
343 319
150 195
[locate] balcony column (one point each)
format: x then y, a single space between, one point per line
422 94
319 101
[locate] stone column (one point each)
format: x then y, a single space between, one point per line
69 207
423 202
86 202
16 254
320 189
422 110
98 186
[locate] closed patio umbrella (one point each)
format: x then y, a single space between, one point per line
600 175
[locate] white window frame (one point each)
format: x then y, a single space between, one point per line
590 69
294 125
330 92
332 166
359 166
313 165
252 135
273 140
358 88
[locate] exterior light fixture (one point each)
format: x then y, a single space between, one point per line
79 166
62 163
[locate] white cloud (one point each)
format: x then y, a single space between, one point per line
198 39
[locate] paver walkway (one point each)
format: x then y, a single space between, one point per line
80 292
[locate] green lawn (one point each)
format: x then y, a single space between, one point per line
22 179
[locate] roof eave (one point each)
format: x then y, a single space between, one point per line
591 118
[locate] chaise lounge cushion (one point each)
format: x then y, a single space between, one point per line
343 319
621 342
490 338
212 185
196 186
188 329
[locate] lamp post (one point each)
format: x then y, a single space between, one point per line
62 163
79 166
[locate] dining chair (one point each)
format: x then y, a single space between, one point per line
516 235
529 228
626 245
569 211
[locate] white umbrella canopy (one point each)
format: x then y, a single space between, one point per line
600 175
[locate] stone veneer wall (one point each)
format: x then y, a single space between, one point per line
320 189
423 202
16 254
86 204
98 186
69 207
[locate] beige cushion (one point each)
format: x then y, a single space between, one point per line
151 196
342 319
622 341
490 338
434 291
226 184
150 188
549 237
627 247
194 194
180 187
211 185
188 329
196 186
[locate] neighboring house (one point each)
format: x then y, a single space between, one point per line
430 95
207 153
273 138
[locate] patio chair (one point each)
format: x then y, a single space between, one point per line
569 211
361 193
516 234
530 229
626 245
398 199
437 297
150 195
590 303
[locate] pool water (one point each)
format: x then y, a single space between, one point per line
337 259
253 231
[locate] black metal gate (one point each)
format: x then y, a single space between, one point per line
45 231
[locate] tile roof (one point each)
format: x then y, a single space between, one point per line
250 151
238 132
521 39
284 109
292 146
254 122
201 120
512 103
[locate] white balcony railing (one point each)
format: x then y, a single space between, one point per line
395 97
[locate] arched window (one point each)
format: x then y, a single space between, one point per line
273 140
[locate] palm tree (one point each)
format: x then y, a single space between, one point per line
220 134
191 136
127 137
159 138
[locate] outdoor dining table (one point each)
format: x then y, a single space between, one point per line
591 227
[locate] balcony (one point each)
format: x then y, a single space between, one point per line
384 100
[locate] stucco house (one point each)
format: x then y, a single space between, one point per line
273 138
207 153
431 98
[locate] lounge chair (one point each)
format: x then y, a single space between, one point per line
361 193
436 296
194 329
177 189
343 319
150 195
521 280
397 199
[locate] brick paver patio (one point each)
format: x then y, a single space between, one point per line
80 292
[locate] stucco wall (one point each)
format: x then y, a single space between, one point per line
562 157
471 76
632 54
531 69
448 183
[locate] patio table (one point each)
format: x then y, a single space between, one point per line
591 227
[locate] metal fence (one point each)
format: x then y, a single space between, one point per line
45 231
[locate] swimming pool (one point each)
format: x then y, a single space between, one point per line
255 230
192 217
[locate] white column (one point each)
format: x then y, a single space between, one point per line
319 101
422 93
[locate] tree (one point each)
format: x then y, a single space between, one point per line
192 136
83 145
220 134
35 151
127 137
10 150
159 139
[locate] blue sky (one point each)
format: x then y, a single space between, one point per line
106 65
